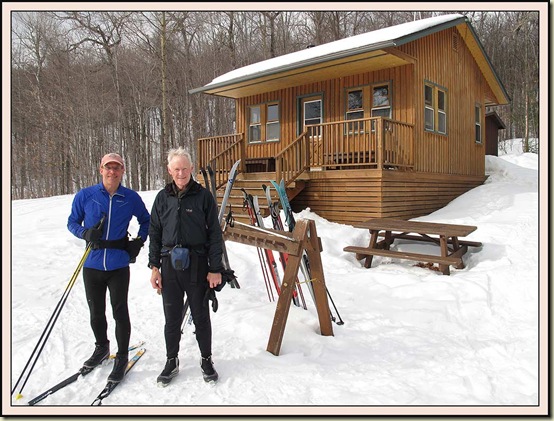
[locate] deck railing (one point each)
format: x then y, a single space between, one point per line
375 142
221 152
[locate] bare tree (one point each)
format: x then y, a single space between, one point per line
84 83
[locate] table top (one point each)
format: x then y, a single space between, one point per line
389 224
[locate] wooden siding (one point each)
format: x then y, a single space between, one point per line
333 93
434 60
455 71
354 196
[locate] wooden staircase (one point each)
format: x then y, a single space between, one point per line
252 183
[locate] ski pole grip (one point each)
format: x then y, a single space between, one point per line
100 223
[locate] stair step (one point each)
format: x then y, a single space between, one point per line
252 184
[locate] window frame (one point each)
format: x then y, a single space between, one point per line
263 122
368 103
438 115
478 111
309 101
277 122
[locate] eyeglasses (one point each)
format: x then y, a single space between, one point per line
114 168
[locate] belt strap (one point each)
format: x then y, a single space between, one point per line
111 244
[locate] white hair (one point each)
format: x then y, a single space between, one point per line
180 151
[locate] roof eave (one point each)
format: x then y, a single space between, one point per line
217 87
298 65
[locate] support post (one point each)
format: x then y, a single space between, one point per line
318 281
306 234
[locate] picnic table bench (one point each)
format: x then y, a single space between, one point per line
452 249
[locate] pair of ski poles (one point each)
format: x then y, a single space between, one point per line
25 374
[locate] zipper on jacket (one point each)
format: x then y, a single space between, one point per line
108 231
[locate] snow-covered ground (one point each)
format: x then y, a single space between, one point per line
413 341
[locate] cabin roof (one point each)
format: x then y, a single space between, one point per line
369 51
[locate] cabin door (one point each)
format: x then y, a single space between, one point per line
312 113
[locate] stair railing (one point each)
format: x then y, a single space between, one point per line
292 161
223 161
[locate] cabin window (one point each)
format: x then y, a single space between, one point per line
441 111
355 105
255 126
365 102
478 132
263 123
429 108
381 102
273 127
435 113
312 112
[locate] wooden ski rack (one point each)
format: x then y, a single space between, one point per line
302 238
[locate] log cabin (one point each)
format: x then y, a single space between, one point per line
388 123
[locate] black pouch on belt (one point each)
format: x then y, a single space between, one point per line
180 258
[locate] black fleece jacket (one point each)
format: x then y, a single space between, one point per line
188 218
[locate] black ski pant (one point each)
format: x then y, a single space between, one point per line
117 282
193 283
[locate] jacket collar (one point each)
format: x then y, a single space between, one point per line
172 190
119 191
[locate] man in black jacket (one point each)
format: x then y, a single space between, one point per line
184 216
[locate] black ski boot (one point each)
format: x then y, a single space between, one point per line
101 352
170 370
208 370
119 368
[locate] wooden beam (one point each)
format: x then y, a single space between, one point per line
318 281
287 289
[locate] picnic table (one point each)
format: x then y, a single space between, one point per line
446 236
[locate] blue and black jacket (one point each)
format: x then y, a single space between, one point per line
91 204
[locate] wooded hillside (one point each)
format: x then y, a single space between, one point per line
88 83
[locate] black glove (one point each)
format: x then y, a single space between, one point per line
210 296
92 235
227 276
133 248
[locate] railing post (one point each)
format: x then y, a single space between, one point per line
278 169
242 157
380 142
306 152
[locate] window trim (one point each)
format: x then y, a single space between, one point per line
434 107
368 93
263 123
257 124
478 123
277 121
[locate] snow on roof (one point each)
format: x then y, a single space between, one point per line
380 36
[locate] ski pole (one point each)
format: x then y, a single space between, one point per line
53 318
50 324
186 316
340 322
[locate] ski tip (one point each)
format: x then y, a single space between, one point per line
18 396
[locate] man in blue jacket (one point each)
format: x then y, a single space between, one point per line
100 215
